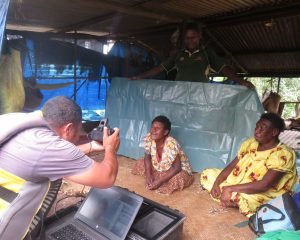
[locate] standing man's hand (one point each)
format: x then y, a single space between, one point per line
111 142
138 77
152 72
228 72
247 84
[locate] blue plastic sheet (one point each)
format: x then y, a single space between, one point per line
3 12
209 120
298 160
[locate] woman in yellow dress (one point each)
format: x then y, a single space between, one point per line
263 169
164 165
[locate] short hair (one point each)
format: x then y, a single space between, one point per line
61 110
276 121
164 120
193 26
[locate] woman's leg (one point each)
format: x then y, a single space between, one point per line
180 181
208 178
249 203
139 168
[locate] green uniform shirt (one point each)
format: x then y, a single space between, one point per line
194 67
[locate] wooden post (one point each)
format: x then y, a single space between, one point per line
75 67
100 81
126 59
214 39
278 85
37 47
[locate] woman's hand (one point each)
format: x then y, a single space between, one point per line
216 191
149 180
155 184
226 197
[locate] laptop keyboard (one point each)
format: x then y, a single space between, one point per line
133 236
70 232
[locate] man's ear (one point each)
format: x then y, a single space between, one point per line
68 128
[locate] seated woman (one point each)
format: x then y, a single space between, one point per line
165 165
263 169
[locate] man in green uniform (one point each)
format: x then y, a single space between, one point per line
195 63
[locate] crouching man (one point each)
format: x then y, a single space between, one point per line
36 150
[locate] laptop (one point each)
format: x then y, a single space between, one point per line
104 214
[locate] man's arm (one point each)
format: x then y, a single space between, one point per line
271 178
102 174
152 72
228 72
90 147
215 191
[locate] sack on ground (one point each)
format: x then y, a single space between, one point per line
280 213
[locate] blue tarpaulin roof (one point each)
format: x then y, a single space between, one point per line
52 62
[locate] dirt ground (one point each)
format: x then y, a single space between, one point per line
206 220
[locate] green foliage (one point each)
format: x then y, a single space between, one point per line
289 89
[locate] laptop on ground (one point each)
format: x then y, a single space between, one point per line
104 214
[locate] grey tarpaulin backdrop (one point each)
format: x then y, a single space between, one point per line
209 120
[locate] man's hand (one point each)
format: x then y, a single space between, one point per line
226 197
111 142
96 147
216 191
229 72
247 84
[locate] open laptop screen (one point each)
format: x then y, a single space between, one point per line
110 212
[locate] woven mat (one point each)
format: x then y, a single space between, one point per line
206 220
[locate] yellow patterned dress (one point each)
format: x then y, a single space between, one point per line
252 166
170 152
